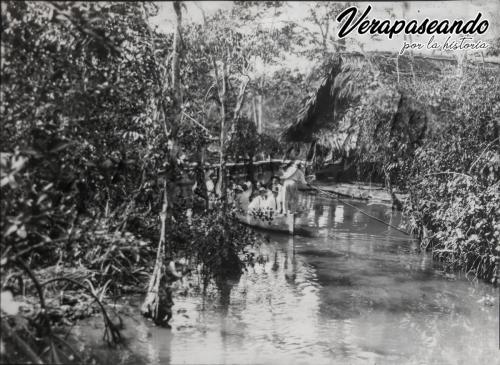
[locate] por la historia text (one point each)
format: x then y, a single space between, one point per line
390 28
460 44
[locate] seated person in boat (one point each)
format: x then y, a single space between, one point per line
259 204
274 203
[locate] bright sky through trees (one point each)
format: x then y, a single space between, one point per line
297 11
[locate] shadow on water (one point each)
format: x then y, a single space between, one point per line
357 293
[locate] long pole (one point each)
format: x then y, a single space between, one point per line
329 194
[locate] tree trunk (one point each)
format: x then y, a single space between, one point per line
239 101
260 102
173 149
221 88
176 85
150 306
254 109
151 302
259 114
222 172
250 169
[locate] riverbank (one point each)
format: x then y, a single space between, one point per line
452 215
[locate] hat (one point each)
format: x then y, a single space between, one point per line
238 188
261 189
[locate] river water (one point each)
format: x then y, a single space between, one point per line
358 293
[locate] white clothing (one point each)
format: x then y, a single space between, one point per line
274 203
244 200
295 174
257 203
279 186
293 178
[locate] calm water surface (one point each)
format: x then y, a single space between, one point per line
360 293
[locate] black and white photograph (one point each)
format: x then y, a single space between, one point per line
250 182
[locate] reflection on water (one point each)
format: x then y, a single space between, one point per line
357 294
338 217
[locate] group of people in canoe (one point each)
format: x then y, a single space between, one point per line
279 196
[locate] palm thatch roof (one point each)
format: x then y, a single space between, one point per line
322 103
337 90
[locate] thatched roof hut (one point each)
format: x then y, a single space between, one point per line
366 104
340 89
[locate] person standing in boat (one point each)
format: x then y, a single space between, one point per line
293 177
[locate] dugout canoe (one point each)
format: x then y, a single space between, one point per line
279 223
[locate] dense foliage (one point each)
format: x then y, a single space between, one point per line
74 159
436 137
54 163
104 117
454 203
93 140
